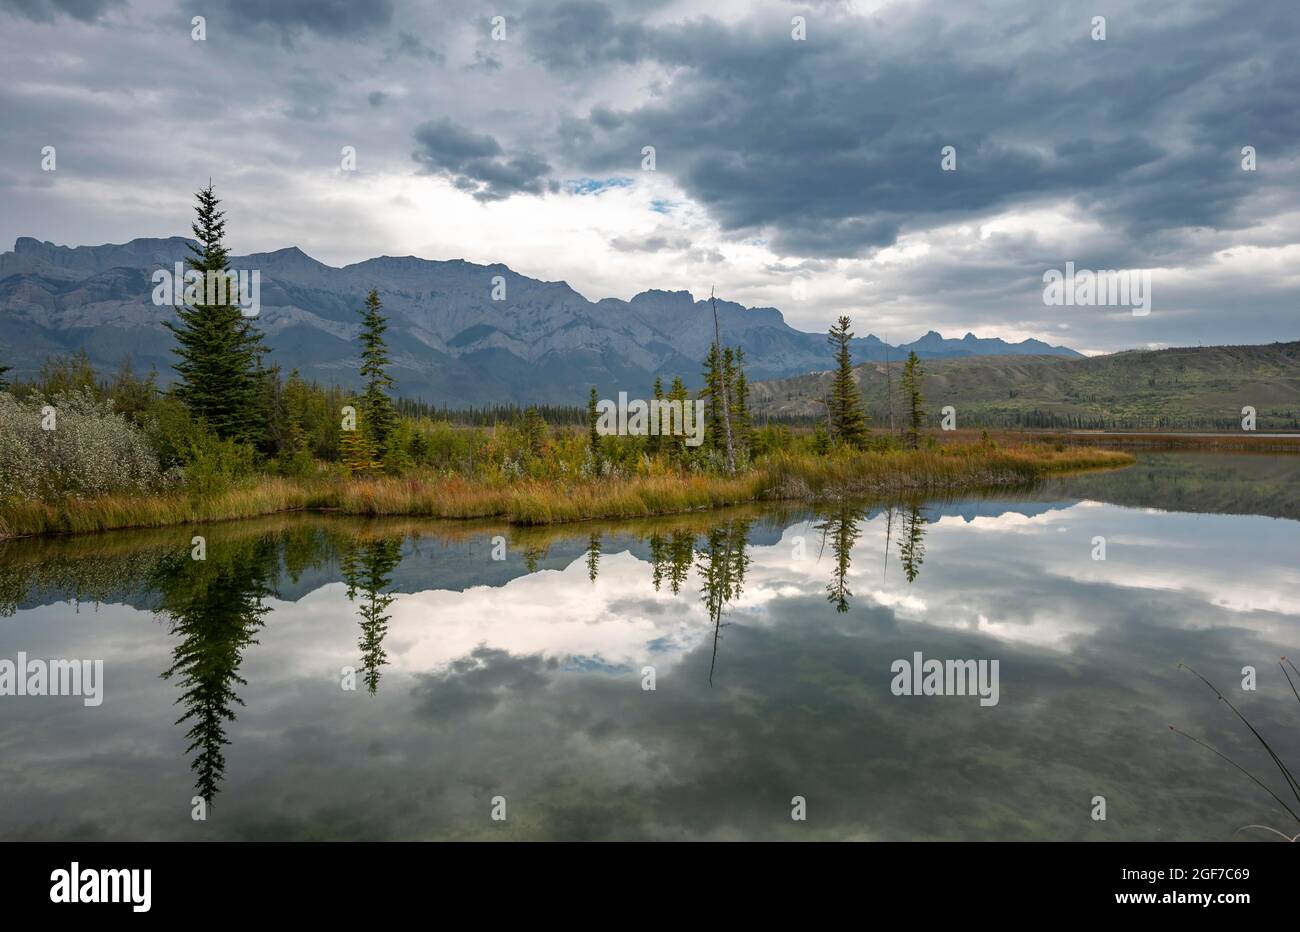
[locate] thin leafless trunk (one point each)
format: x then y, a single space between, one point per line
726 390
889 388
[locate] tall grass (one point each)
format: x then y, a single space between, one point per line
1292 782
527 501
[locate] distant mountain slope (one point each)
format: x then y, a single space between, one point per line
451 342
1184 387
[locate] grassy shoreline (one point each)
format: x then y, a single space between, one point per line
780 477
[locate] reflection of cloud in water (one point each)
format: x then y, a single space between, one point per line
554 613
1028 584
531 689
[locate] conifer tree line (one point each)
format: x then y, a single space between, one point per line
231 412
847 422
726 399
225 385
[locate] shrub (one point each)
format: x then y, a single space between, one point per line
172 433
212 465
91 450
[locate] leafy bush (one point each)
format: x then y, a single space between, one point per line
173 434
212 465
90 450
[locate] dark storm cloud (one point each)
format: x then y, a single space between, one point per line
582 33
486 63
1116 154
476 162
649 244
46 11
337 18
834 143
413 46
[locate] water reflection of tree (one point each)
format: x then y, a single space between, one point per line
593 557
840 528
532 556
721 565
671 557
215 606
911 545
367 568
308 548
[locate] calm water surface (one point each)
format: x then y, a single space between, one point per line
771 634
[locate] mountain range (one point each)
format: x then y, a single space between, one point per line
451 342
1187 387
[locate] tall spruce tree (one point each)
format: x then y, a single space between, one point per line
714 434
219 349
847 422
654 441
593 435
676 444
742 425
378 416
296 396
912 398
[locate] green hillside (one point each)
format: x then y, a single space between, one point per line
1189 387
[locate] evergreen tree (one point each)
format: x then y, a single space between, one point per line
714 429
296 401
742 426
593 435
357 451
821 441
219 349
676 444
912 398
534 432
655 441
4 383
847 422
378 416
271 412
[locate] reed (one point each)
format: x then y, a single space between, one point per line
1293 784
790 476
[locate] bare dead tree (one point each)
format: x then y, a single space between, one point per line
889 388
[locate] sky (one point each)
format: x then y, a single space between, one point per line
798 148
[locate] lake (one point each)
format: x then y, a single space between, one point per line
315 677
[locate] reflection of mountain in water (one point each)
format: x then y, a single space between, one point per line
118 567
1205 483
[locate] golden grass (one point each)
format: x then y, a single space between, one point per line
783 476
